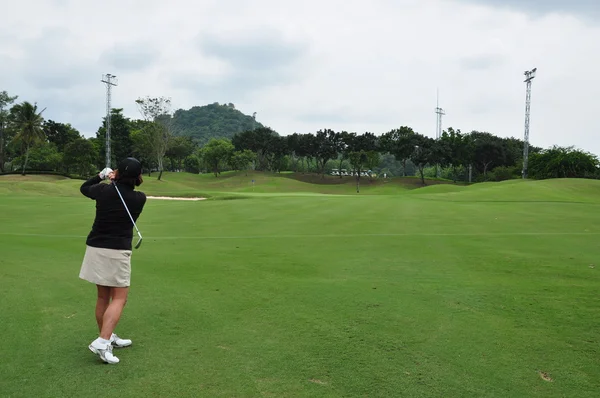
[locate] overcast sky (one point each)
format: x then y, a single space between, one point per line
368 65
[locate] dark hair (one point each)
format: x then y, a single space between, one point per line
131 181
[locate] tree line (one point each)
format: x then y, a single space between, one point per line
473 156
29 142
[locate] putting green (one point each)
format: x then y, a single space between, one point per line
487 290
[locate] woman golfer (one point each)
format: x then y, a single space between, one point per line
107 260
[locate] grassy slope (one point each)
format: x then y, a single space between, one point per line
428 292
559 190
227 184
240 183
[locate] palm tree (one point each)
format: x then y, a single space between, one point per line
28 122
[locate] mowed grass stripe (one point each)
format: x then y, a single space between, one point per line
317 236
319 216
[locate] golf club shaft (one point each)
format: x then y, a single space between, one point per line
122 200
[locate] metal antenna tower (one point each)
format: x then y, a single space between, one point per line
440 112
438 134
529 76
109 80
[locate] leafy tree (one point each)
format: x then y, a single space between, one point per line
240 160
160 127
308 147
373 160
217 153
179 149
357 159
192 164
277 151
425 152
5 101
393 167
27 121
141 144
98 145
561 162
79 156
60 134
359 147
45 156
502 173
487 151
512 151
293 145
258 141
453 150
121 144
343 139
400 143
327 147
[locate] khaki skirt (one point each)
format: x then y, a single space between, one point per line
106 267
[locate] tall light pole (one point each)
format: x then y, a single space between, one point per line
109 80
438 134
529 76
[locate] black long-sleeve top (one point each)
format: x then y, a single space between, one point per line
112 228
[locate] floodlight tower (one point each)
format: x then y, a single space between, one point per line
253 120
109 80
438 134
529 76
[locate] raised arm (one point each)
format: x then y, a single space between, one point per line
92 187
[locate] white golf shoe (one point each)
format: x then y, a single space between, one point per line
118 342
104 351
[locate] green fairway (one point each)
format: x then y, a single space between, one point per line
303 288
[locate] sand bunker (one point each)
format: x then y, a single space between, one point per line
173 198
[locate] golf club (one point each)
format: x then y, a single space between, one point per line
139 242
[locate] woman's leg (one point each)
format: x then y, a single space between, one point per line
104 294
113 312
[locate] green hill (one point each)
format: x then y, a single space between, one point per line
212 121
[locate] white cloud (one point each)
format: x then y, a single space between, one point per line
346 65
